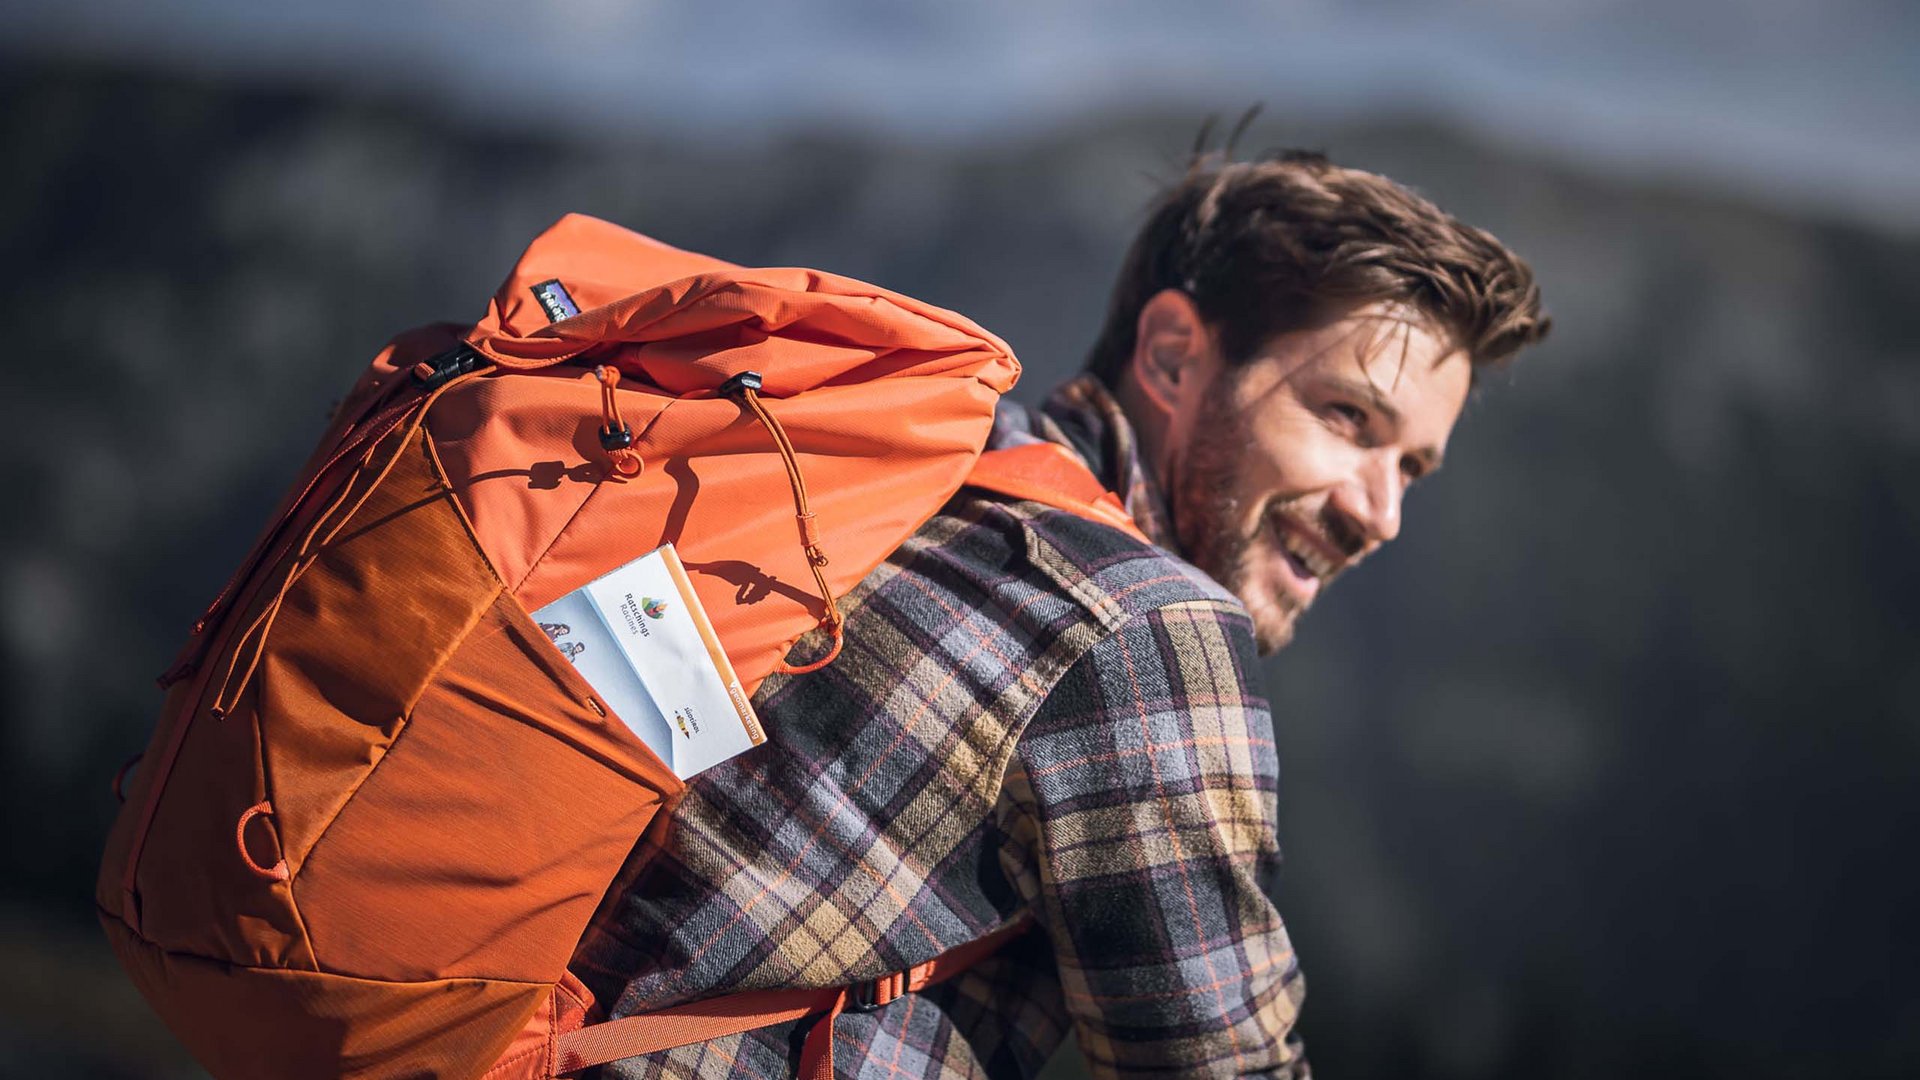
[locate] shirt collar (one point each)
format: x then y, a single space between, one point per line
1084 416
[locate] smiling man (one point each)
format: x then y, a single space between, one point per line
1291 343
1045 733
1287 467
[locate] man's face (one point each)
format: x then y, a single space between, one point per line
1287 470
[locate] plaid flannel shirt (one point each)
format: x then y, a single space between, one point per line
1032 713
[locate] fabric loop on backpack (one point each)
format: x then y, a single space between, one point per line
278 871
616 437
833 653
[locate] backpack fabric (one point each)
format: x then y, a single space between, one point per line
379 807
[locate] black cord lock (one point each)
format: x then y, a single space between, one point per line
616 438
735 385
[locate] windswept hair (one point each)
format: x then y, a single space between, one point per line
1290 241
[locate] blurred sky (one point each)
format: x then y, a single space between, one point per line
1807 105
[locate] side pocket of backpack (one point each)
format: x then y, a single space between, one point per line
478 843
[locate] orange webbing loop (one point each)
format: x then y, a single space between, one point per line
253 639
683 1025
616 438
816 1052
745 387
276 872
716 1018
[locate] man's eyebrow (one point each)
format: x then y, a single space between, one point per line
1431 458
1366 392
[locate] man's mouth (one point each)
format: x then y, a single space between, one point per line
1309 561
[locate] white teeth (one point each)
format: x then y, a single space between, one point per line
1311 557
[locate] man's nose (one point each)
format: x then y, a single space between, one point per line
1371 499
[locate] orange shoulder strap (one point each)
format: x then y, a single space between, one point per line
714 1018
1050 473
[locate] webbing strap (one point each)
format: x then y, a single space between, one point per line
715 1018
1050 473
699 1021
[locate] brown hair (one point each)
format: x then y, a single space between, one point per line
1290 240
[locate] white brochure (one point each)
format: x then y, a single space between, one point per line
639 636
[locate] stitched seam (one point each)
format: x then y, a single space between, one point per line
515 1059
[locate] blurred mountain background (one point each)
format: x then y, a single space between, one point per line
1607 768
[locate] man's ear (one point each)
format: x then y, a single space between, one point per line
1170 346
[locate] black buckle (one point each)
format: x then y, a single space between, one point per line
448 365
864 997
745 380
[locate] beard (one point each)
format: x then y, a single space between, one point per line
1211 520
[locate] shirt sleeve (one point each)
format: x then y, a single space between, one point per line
1139 816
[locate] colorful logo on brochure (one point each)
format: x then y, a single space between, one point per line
653 608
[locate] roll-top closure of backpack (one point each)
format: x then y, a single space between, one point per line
665 333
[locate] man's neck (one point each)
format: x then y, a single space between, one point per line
1149 429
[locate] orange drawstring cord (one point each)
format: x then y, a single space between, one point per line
745 387
367 429
616 438
306 553
264 619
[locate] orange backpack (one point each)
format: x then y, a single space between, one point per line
379 806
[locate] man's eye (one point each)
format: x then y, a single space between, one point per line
1352 414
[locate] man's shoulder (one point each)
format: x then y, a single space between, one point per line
999 550
973 622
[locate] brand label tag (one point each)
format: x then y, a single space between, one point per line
555 300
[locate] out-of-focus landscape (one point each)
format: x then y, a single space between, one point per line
1607 768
